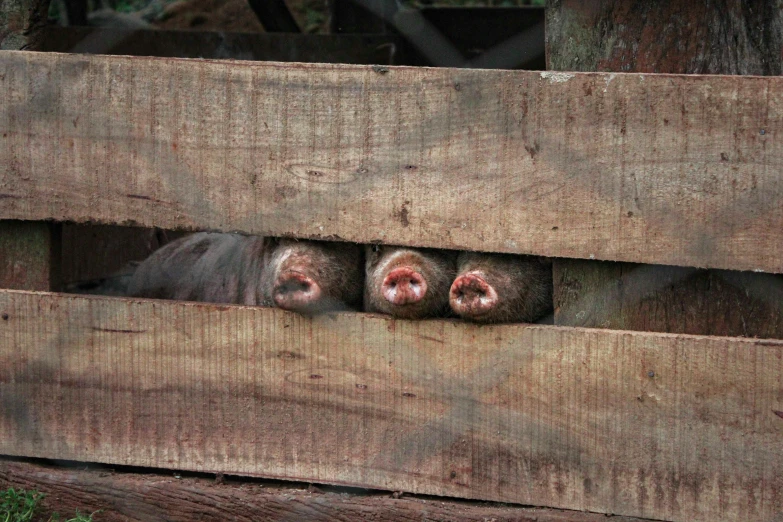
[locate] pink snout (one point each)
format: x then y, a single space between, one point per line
296 291
404 286
472 296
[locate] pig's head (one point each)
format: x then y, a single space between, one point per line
313 276
497 288
408 283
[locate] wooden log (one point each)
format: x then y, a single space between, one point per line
360 49
524 162
663 426
29 256
122 496
716 37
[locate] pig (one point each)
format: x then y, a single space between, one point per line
408 283
303 276
501 288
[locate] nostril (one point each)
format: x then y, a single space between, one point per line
403 285
471 294
294 291
296 286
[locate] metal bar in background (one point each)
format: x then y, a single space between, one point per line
274 16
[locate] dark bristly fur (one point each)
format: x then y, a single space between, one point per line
232 268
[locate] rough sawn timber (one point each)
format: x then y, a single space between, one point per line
659 426
124 497
680 170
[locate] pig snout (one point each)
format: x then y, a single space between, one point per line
471 295
404 286
408 283
295 291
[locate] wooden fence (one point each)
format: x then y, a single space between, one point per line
662 169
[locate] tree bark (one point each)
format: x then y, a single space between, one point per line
666 36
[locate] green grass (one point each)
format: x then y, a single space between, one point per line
19 505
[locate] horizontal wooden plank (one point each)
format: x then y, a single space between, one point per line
366 49
680 170
651 425
154 496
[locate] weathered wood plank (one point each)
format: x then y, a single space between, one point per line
512 161
148 496
30 255
357 49
652 425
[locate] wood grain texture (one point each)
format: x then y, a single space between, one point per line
627 296
666 36
673 170
652 425
30 255
150 496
